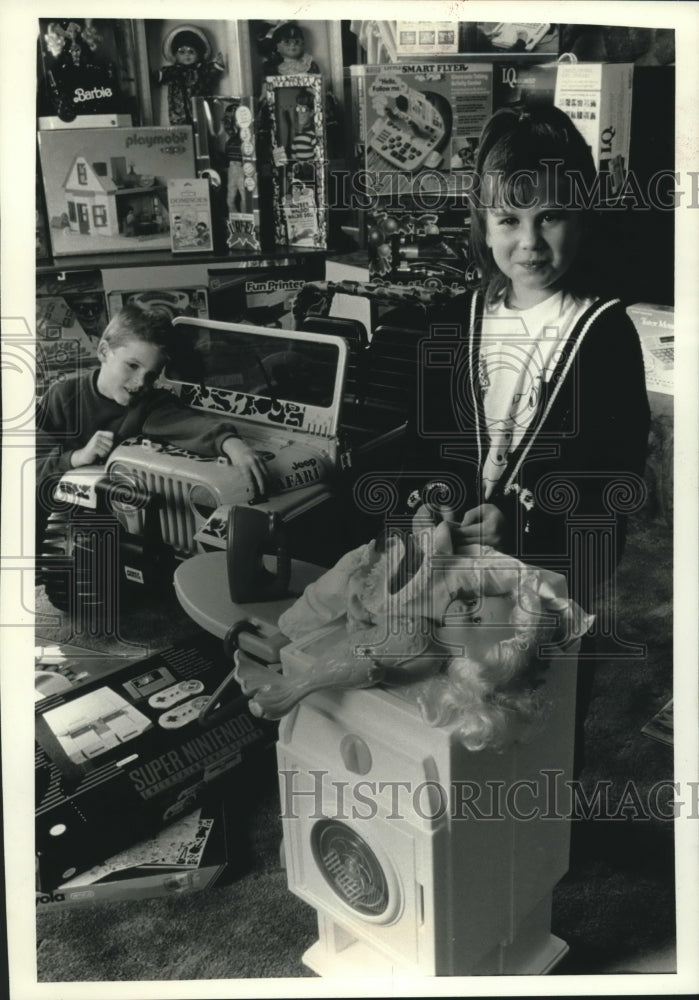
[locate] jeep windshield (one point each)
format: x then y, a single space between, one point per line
276 367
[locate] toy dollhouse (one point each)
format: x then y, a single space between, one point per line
104 198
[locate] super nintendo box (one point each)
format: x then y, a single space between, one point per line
121 756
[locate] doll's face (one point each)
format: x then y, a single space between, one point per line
291 47
185 55
478 623
304 115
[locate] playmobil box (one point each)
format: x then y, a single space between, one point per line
417 124
121 756
106 188
186 856
596 96
225 143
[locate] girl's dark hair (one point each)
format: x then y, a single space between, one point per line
513 145
133 322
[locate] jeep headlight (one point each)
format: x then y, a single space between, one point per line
203 501
127 490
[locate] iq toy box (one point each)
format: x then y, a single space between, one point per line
417 124
187 856
106 188
596 96
124 753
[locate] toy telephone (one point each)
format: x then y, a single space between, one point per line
252 534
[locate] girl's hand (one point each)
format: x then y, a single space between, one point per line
485 524
248 461
96 449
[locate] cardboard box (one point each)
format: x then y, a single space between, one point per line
519 37
295 117
427 38
189 855
596 96
656 330
106 189
262 293
113 766
226 151
417 124
70 318
429 249
190 215
188 301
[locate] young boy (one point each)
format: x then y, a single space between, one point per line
80 420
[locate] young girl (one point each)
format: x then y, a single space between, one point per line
538 426
533 433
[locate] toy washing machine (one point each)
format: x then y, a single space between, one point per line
420 856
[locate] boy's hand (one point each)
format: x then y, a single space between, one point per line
248 461
96 449
484 524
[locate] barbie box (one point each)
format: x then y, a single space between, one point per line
106 188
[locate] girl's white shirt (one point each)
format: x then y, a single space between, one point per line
519 351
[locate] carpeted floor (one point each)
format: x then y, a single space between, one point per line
615 907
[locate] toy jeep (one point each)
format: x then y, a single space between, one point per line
321 403
160 504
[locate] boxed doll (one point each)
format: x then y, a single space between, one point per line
294 129
106 188
418 124
224 133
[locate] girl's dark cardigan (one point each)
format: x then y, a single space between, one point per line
570 484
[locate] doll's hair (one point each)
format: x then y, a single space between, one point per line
305 97
134 322
190 39
288 29
497 699
513 146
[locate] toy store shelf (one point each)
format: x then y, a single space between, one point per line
79 262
